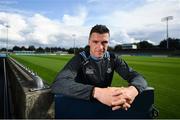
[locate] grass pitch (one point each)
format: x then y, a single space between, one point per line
161 73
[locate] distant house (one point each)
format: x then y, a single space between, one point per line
129 46
61 52
24 52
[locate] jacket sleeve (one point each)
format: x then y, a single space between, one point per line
65 81
127 73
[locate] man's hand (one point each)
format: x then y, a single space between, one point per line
116 97
104 95
128 94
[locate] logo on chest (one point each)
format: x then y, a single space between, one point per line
109 70
90 71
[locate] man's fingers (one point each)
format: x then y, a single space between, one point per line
122 96
116 108
126 106
117 92
118 102
127 97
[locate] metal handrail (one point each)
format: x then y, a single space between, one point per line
37 80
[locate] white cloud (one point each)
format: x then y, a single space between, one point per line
42 29
16 25
39 30
149 41
120 37
142 17
146 19
77 20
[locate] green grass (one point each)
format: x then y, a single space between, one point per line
161 73
45 66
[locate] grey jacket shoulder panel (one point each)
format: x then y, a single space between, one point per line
127 73
65 81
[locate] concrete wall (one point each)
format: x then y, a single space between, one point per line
27 103
1 88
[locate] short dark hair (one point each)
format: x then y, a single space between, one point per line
101 29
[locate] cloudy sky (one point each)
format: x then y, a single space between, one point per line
58 23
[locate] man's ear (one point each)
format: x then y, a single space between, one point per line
89 42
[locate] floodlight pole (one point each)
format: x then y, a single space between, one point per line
7 26
167 32
74 35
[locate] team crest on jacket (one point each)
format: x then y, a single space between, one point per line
109 70
90 71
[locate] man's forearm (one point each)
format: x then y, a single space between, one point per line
103 95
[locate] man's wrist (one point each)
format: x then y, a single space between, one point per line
134 89
95 92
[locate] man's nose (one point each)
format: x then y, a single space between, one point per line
100 46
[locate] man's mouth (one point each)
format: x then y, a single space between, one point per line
100 52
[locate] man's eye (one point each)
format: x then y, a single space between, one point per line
95 42
105 42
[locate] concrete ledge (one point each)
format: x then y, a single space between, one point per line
27 103
39 104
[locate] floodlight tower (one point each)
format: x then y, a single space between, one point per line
74 35
167 19
7 27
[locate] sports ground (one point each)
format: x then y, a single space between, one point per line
162 73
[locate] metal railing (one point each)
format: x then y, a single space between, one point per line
39 84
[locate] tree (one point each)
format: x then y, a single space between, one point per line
110 48
145 45
71 50
40 50
54 49
3 49
118 48
31 48
23 48
173 44
16 48
47 49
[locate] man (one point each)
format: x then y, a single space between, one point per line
89 74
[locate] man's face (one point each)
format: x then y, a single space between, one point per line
98 44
